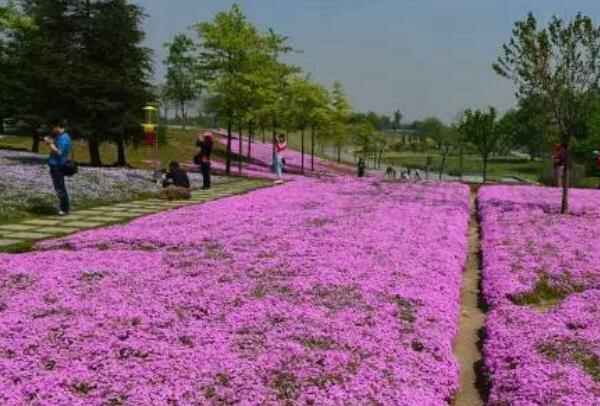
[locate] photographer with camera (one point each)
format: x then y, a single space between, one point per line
60 146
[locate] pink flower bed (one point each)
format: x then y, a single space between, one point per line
334 292
262 154
542 281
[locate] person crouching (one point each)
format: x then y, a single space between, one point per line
176 185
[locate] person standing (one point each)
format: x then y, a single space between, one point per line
205 143
361 167
280 147
60 146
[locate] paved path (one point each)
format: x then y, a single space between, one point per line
23 233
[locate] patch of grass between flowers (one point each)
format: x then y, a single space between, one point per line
546 294
574 352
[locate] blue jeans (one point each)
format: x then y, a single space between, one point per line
58 180
278 166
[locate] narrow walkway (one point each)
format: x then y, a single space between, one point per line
20 235
467 348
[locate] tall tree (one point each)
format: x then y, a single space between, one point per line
480 129
85 62
525 128
443 136
397 120
116 85
319 117
341 111
304 99
182 83
232 53
560 65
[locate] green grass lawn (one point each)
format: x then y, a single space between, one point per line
498 167
181 146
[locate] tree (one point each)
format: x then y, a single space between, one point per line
305 98
397 120
225 43
560 65
235 60
116 82
525 128
381 143
444 137
364 138
182 83
162 94
320 117
341 115
446 141
480 129
85 62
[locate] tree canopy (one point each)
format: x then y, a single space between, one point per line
560 67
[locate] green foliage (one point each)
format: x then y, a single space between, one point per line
340 116
480 129
559 66
397 120
526 128
182 84
364 138
242 69
84 62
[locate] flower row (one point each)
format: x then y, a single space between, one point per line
542 281
321 292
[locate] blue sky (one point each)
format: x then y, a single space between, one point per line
425 57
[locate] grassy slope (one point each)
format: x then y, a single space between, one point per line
497 167
180 146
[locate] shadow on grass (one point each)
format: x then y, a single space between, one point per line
19 248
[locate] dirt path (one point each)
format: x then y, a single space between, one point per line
471 321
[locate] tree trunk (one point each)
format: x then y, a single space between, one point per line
228 153
302 141
121 157
312 150
485 162
339 154
442 166
250 139
240 147
274 141
263 131
564 207
183 115
94 148
35 142
461 162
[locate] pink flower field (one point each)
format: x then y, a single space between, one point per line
262 155
318 292
542 281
